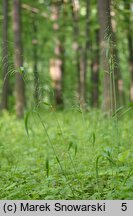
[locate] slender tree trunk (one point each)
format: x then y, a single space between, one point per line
95 74
84 62
35 62
87 44
82 81
18 58
57 64
81 54
105 47
130 44
117 75
76 46
119 90
5 56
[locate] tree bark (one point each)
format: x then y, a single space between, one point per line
119 89
118 81
83 81
18 58
95 73
35 62
130 45
105 34
57 63
81 53
5 88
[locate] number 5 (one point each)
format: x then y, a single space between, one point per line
124 207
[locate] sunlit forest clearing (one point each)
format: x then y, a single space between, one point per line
66 90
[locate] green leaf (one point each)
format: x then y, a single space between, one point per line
46 103
97 169
93 138
123 156
11 186
26 122
117 111
70 145
47 165
74 146
21 70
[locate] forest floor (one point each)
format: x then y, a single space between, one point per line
66 155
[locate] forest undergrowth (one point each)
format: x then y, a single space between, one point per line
66 155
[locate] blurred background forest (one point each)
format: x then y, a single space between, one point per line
66 53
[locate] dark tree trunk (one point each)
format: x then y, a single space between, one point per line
87 45
35 62
130 44
5 56
81 54
84 62
95 74
18 58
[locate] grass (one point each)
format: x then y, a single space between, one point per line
76 156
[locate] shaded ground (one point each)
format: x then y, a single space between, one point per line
71 156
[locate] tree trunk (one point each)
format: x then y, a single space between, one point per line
105 34
81 54
85 55
5 56
119 90
35 62
130 45
95 74
18 58
56 63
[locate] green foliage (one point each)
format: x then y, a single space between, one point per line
26 122
93 166
45 37
69 154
